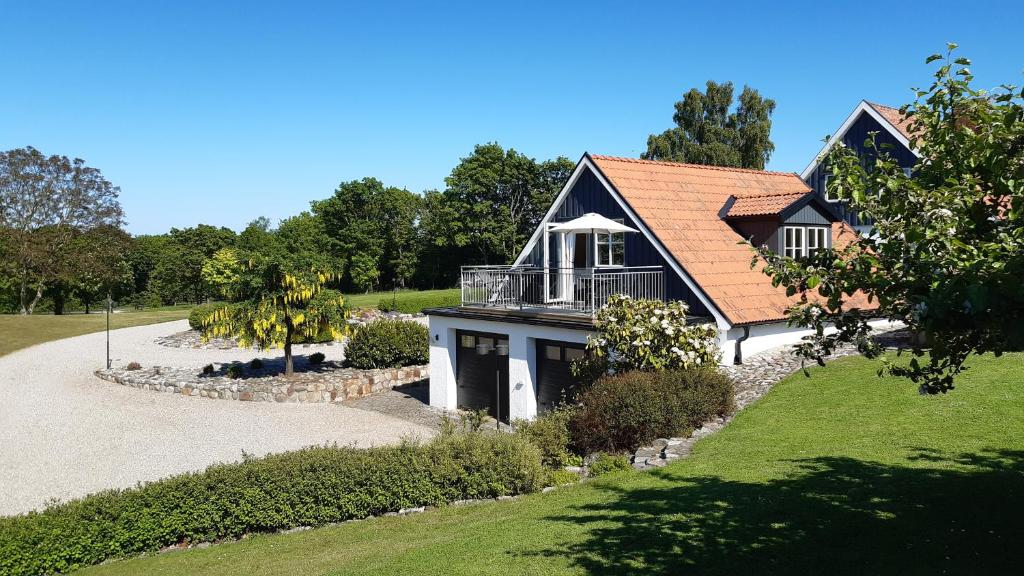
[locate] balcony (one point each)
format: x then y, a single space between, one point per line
572 290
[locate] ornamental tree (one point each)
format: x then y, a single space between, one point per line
271 303
945 254
636 334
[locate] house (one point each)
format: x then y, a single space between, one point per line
892 135
648 229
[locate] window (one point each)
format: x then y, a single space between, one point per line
468 341
824 187
803 241
611 248
552 352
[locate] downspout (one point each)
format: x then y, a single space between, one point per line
738 358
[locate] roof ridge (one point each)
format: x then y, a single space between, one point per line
689 165
877 105
773 194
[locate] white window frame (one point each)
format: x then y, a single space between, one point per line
607 245
824 188
805 234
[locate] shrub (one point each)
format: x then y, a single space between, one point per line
562 477
256 364
199 313
415 302
208 369
134 366
606 463
316 357
235 371
388 344
625 411
550 433
647 335
309 487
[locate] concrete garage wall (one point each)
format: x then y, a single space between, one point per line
522 359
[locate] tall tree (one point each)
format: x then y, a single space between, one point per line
706 132
44 202
371 228
178 273
493 201
946 251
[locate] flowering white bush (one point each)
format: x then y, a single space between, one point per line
648 335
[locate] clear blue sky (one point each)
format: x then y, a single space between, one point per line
220 114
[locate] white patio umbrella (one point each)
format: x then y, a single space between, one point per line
593 223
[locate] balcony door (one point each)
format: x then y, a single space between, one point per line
568 256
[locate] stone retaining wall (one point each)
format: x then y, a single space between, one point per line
327 384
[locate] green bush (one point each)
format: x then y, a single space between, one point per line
198 313
607 463
309 487
415 302
388 344
623 412
550 433
562 477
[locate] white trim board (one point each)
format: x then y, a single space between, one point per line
586 162
863 108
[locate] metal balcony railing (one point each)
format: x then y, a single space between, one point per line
581 290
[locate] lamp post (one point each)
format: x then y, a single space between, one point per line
110 303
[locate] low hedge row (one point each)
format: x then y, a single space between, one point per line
309 487
415 302
620 413
388 344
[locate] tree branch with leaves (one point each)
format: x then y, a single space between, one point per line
945 254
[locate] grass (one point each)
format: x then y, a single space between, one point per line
840 473
17 332
371 299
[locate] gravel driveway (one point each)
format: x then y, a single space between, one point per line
65 433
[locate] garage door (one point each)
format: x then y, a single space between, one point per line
481 366
554 376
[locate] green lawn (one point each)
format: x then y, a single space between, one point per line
370 300
840 473
18 331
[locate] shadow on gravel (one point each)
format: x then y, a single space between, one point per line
960 514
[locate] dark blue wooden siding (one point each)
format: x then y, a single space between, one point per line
854 139
809 214
589 195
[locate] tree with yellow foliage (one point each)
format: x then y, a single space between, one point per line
271 303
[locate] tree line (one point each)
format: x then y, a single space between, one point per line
62 244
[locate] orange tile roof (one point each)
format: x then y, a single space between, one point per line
763 204
680 204
894 117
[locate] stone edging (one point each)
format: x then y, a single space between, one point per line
328 383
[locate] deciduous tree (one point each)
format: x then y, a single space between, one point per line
273 302
706 132
946 252
45 201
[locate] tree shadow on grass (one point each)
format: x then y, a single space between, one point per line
834 516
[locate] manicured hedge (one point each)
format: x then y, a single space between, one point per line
198 313
388 344
415 302
625 411
309 487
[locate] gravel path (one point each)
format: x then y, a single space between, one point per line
66 433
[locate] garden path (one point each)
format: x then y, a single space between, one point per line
66 433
